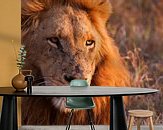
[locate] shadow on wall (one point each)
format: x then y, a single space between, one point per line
8 38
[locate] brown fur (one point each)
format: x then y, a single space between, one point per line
108 69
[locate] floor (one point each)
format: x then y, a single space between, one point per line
99 127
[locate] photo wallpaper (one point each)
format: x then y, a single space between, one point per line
108 43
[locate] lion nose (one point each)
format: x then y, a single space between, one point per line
68 78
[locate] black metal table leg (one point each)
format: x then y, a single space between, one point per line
9 113
117 114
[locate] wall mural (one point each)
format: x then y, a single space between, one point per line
137 28
69 39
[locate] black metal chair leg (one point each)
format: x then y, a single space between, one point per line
69 121
90 119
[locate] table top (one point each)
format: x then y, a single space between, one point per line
64 91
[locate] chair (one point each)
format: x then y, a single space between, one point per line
140 114
80 103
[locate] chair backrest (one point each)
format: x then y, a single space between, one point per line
78 83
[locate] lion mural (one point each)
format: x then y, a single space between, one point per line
65 40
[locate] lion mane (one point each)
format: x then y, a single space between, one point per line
109 71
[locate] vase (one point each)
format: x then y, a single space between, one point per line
18 82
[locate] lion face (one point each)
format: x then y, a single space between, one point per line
63 46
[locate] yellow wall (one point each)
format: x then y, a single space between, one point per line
10 29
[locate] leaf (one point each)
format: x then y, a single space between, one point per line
21 57
18 63
20 51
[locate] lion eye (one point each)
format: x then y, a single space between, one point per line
54 42
90 43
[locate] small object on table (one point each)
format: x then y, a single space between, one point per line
18 82
29 79
140 114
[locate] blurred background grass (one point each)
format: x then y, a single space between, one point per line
137 27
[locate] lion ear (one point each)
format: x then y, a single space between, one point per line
30 11
96 8
32 6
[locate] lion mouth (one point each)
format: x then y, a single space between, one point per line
57 102
49 81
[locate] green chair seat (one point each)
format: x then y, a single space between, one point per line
80 103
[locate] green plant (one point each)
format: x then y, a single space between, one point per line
21 57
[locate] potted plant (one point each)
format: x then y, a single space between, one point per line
18 82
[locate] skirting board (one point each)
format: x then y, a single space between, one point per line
82 127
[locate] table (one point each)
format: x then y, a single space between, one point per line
117 115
